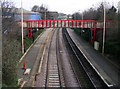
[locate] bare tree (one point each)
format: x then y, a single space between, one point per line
35 8
76 16
41 9
5 4
10 52
8 20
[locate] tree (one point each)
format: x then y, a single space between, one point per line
77 16
35 8
8 20
90 14
9 62
41 9
111 14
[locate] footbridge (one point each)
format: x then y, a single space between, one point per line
90 24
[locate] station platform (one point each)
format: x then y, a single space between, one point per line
106 70
32 59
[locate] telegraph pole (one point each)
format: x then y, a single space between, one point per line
104 30
82 21
22 26
45 18
82 24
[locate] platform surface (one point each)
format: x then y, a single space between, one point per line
107 71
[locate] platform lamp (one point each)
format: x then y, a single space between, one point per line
104 30
22 26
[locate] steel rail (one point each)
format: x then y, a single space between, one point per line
70 43
75 74
49 48
57 42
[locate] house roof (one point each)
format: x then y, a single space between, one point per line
18 11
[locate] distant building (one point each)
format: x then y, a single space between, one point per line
62 16
7 14
27 15
69 17
50 15
16 14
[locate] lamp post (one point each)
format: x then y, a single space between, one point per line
82 23
22 27
45 18
45 14
104 30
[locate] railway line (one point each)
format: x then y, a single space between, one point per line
53 68
49 66
52 71
85 74
60 58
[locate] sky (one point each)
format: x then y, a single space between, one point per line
63 6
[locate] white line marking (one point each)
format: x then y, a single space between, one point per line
109 85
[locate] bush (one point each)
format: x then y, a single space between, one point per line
9 73
112 47
11 54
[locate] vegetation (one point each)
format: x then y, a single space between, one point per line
29 40
41 9
11 50
112 40
44 12
11 46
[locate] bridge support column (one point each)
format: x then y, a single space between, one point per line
53 24
35 24
93 29
92 37
42 24
72 23
83 24
46 23
50 24
87 24
65 24
79 24
27 29
61 23
68 23
76 24
30 32
38 24
57 23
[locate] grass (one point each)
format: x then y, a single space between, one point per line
112 47
29 40
11 51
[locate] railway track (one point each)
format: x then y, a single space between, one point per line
85 74
53 78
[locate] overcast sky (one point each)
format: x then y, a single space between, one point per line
64 6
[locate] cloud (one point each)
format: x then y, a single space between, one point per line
65 6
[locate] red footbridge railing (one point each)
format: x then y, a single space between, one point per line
90 24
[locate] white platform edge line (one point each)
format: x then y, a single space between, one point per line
92 65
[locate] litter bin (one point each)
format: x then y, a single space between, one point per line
96 45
